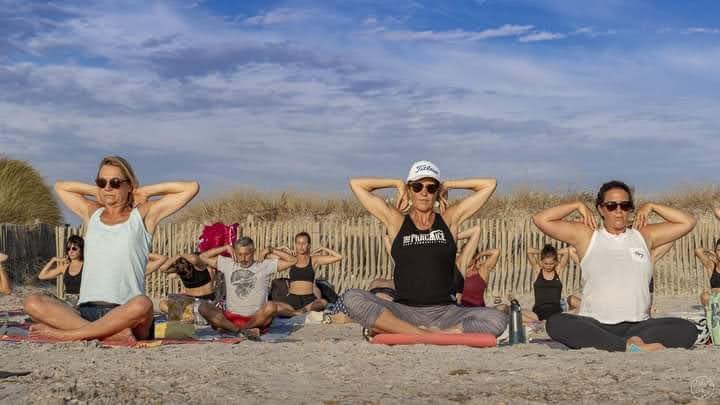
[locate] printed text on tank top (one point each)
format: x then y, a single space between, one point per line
424 263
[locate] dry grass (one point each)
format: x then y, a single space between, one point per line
519 203
24 196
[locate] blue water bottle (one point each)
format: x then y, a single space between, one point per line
517 331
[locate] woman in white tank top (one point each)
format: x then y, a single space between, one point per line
120 222
616 268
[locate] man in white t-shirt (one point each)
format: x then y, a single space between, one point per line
247 282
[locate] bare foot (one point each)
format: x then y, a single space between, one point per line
124 337
317 305
251 334
42 331
645 347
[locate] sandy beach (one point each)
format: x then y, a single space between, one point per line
332 364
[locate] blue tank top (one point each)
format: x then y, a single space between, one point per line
115 259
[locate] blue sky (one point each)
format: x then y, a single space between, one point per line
301 95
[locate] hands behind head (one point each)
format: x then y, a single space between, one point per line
286 250
588 217
402 199
139 196
443 198
641 216
229 249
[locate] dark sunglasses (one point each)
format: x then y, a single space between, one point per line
114 182
73 248
431 188
624 205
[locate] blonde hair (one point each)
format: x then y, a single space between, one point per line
125 167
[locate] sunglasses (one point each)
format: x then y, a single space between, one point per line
73 248
114 182
624 205
418 187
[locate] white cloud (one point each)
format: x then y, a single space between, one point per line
541 36
278 16
233 101
703 30
507 30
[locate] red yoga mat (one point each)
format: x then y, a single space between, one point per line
440 339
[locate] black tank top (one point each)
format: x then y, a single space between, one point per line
302 273
424 264
72 283
195 279
715 278
547 291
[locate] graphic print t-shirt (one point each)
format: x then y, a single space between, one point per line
247 287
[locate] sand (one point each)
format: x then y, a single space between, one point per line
332 364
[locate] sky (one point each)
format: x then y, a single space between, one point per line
301 95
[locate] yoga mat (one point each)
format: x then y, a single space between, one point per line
439 339
281 328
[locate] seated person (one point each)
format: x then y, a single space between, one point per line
70 267
303 295
112 304
196 277
424 251
5 285
710 260
247 309
617 267
475 268
547 266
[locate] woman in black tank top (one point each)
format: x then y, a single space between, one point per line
70 267
423 228
303 295
710 261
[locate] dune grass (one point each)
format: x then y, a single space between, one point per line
24 197
519 203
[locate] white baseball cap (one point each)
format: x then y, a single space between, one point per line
423 169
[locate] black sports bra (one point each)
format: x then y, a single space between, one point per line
306 273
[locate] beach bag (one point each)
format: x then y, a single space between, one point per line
712 314
217 235
327 291
279 289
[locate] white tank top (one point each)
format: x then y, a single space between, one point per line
115 259
616 272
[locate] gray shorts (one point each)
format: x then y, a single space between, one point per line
364 308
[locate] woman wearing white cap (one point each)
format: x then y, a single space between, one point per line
423 248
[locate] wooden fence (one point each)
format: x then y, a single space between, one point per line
360 241
28 247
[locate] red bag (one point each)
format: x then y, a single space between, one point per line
217 235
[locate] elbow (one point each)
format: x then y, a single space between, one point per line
537 220
193 187
354 184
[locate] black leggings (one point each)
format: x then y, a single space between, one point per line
578 332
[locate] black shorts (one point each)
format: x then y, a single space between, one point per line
299 301
545 311
91 312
